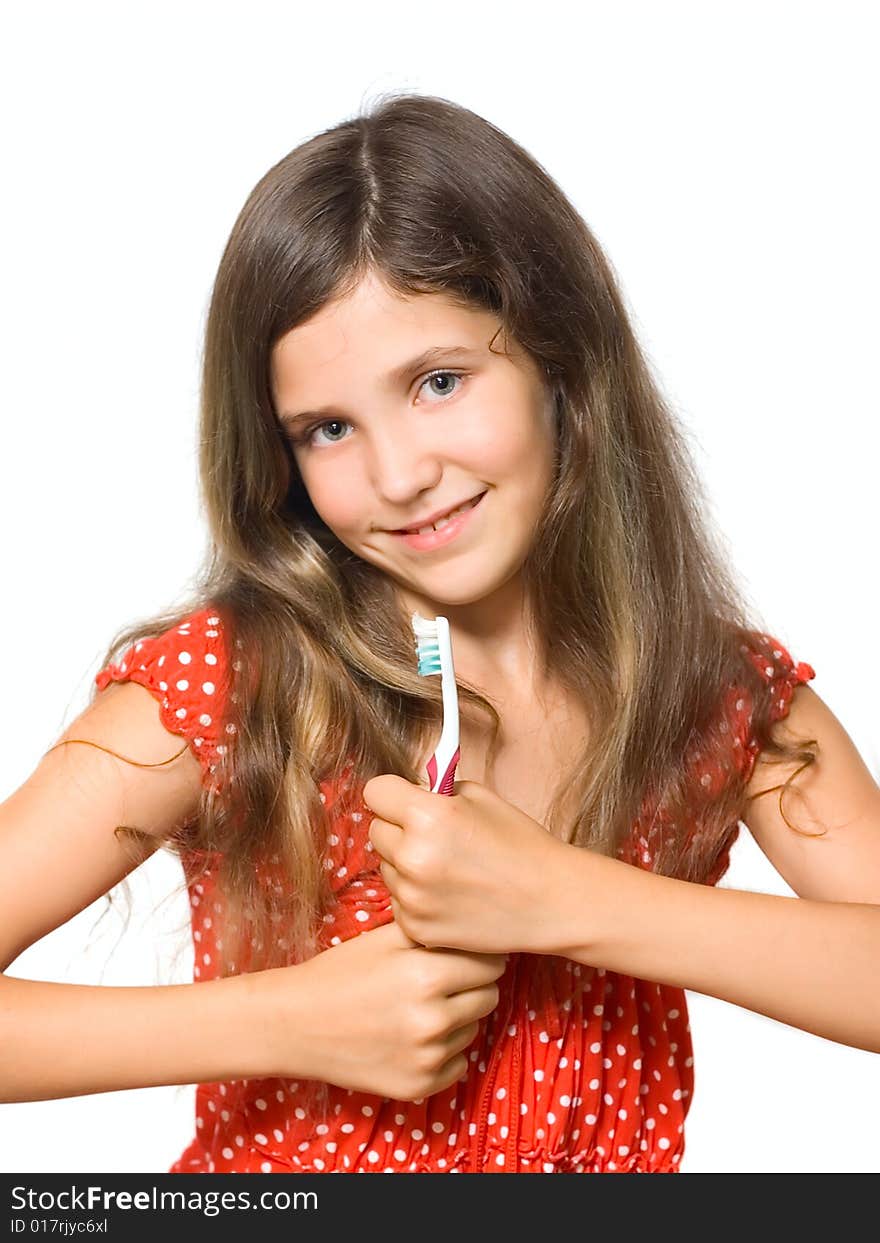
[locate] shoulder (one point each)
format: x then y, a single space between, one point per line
186 668
823 836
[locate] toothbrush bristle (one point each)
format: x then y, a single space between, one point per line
427 645
429 659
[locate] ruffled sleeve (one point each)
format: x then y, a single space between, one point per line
186 670
783 675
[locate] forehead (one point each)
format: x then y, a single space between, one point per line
377 327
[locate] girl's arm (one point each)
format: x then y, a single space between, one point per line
58 853
475 872
809 961
73 1039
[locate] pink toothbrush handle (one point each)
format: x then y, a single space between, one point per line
446 784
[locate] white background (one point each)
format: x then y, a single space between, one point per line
723 154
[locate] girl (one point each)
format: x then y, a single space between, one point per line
410 319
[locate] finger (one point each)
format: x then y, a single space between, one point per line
386 837
391 878
472 1005
452 1071
389 795
459 1039
469 969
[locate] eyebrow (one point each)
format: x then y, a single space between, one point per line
397 374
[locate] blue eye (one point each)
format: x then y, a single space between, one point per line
306 437
447 374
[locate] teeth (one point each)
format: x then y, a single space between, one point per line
442 522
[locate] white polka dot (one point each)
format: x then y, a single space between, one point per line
228 1154
595 1047
662 1142
266 1167
184 657
539 1076
208 688
362 916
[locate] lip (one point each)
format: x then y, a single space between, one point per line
437 539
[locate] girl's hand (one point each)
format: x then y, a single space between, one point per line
379 1014
466 870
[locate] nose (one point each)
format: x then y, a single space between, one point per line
403 464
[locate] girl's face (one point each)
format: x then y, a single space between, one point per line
386 437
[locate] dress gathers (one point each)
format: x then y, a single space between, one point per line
577 1070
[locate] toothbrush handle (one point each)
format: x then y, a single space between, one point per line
446 784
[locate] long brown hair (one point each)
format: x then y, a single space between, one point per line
638 610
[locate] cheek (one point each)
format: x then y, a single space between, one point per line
334 500
508 446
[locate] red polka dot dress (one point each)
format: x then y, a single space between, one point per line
577 1070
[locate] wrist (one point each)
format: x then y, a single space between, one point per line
553 902
576 885
279 1032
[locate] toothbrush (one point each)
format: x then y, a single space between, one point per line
434 653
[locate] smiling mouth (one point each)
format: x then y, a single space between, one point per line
440 523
